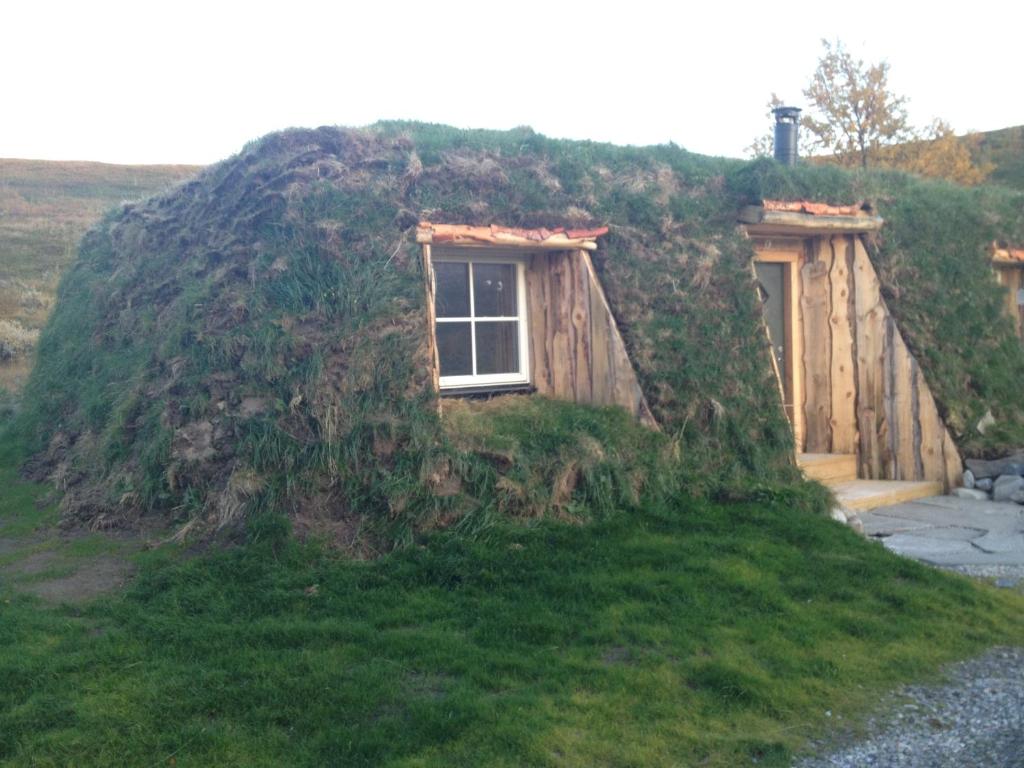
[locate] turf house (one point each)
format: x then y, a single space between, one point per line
390 330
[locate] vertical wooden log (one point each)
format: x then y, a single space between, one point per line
844 416
561 327
603 388
915 401
602 332
903 411
888 443
429 286
954 465
538 289
870 365
1020 307
933 434
817 352
583 387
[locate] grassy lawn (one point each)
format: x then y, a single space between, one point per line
691 634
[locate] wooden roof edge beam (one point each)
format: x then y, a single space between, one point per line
1007 257
757 217
534 240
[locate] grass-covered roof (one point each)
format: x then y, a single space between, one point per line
256 338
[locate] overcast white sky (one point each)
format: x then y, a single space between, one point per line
191 82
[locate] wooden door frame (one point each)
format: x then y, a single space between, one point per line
1011 279
790 258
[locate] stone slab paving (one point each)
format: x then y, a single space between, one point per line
950 532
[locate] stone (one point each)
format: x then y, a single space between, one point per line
986 421
969 480
838 515
1006 486
970 493
1011 465
855 523
1018 497
984 484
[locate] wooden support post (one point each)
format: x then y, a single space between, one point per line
817 363
844 386
870 365
905 401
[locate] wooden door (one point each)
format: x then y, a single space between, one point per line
778 287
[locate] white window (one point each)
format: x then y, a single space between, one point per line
480 309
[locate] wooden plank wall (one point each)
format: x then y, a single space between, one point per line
1012 279
576 350
864 392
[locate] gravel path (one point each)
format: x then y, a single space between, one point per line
975 720
1005 576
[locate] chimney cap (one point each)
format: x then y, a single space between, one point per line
786 113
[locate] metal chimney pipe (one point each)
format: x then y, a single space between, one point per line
787 129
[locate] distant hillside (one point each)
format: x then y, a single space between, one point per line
45 208
1005 150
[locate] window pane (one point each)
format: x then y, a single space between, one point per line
453 349
494 290
497 347
452 298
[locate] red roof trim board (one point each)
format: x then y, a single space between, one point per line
558 238
805 216
816 209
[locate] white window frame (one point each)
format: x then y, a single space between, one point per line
488 379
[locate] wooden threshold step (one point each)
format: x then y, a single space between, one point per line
870 494
828 468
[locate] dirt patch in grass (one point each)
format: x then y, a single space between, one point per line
91 579
73 567
34 564
61 565
10 546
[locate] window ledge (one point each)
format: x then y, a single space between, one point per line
489 390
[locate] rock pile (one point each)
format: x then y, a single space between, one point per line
996 480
